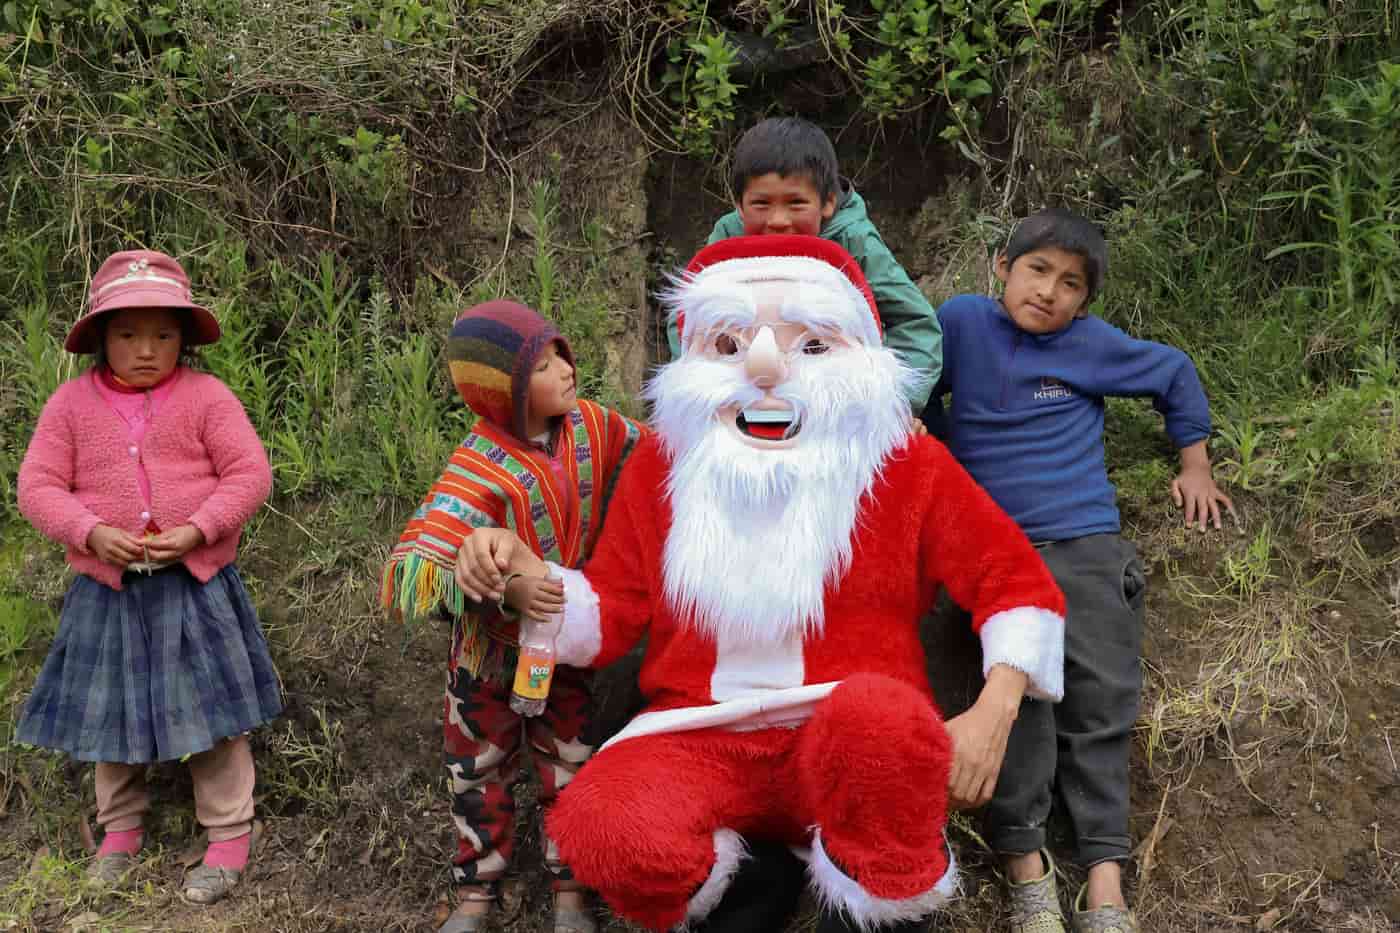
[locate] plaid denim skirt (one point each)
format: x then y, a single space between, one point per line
161 669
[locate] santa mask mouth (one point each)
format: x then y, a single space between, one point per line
768 424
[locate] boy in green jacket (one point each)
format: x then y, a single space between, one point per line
786 181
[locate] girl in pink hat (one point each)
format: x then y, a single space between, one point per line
147 470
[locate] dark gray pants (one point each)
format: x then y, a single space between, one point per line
1080 746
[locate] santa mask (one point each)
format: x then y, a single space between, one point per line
777 417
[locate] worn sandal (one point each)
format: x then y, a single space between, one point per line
573 920
209 884
111 868
458 922
206 884
1107 919
1035 905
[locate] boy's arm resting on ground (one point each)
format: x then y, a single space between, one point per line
1142 368
1194 490
911 327
989 567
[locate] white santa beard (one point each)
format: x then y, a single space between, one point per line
756 535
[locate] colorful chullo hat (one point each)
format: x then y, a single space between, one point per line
491 352
809 262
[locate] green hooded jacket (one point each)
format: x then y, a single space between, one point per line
911 326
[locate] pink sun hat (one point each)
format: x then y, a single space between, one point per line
140 278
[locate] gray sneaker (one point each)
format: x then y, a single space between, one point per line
1035 905
1101 919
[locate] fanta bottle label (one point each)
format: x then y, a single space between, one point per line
532 676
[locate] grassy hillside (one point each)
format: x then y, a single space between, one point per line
340 176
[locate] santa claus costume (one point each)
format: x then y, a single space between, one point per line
802 534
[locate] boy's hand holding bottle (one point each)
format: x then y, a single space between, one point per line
538 599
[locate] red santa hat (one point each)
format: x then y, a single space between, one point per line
739 262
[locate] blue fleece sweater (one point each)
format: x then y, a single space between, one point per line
1026 416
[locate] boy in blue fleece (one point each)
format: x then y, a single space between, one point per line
1028 376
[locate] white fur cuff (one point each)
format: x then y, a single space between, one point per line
1030 640
582 635
730 852
838 891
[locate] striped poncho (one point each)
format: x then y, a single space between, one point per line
493 481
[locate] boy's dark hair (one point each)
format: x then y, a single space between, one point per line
785 146
1068 231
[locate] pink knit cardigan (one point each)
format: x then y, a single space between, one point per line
205 463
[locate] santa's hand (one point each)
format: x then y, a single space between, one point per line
979 738
482 561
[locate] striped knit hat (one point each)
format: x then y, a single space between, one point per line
492 353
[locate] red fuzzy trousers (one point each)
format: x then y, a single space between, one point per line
869 772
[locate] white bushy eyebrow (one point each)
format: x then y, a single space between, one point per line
711 306
820 310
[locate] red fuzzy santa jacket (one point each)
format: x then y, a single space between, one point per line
924 523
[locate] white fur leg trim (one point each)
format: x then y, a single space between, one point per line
582 635
1030 640
730 851
838 891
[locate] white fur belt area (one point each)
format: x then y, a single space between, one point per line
766 709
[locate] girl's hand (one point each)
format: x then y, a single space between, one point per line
113 545
536 598
175 543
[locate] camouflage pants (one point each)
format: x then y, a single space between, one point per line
484 744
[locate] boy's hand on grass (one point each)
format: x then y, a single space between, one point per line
175 543
113 545
536 598
1195 491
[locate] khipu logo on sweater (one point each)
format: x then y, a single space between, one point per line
1051 388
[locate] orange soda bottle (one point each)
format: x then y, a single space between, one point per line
535 670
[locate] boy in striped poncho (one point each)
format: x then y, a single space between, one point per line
541 463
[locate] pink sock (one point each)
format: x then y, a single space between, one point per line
231 853
125 841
